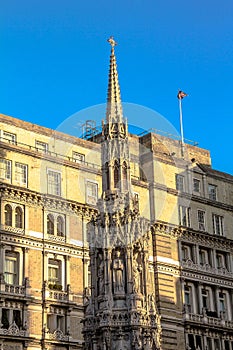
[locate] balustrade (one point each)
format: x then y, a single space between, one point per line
189 264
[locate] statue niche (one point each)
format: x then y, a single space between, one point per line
100 274
118 273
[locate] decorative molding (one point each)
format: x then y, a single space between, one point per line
12 229
167 269
208 321
14 330
62 248
203 278
206 268
186 234
32 198
191 197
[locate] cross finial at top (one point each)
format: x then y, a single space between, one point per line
112 42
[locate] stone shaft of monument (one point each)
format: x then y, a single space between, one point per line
120 311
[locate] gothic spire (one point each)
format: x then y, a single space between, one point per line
114 107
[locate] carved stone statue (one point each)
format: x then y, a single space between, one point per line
136 277
137 270
118 273
152 303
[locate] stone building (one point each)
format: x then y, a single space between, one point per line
120 241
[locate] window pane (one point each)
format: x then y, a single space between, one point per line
196 185
41 146
205 298
18 217
21 173
201 220
184 216
9 137
11 267
78 157
91 192
5 169
222 305
8 215
54 183
17 318
5 318
60 226
50 224
212 189
180 183
54 272
217 224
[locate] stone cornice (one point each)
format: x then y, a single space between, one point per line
206 270
33 198
206 279
166 229
207 239
191 197
140 183
167 269
40 244
193 236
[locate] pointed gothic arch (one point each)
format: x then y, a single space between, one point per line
116 174
107 176
124 175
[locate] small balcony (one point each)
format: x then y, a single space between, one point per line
55 292
208 318
57 335
14 331
12 289
190 265
12 229
59 239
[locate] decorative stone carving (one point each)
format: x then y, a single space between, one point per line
136 341
100 274
122 317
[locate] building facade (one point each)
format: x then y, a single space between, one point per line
116 242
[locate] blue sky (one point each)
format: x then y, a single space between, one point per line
54 63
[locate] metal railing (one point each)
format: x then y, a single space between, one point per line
48 153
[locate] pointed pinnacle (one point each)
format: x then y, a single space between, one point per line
114 106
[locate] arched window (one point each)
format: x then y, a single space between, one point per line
116 174
50 224
8 215
124 175
18 217
60 226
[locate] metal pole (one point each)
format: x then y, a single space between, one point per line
181 128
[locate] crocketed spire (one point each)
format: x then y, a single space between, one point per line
114 107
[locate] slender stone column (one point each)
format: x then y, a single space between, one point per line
2 258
